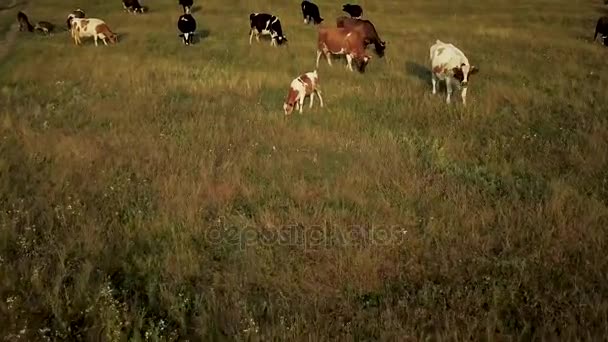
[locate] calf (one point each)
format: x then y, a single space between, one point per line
187 25
450 64
92 27
367 29
304 85
339 41
133 6
44 27
75 14
264 24
311 13
355 11
187 5
24 23
602 28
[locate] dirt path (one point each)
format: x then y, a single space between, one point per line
8 40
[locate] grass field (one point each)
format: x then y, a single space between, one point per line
152 191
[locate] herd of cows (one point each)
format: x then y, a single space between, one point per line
350 38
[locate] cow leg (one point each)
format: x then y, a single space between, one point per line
250 36
448 85
103 39
95 38
318 91
349 61
328 56
464 96
312 98
318 57
434 81
302 97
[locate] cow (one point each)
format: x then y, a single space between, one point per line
310 12
304 85
339 41
355 11
133 6
264 24
44 27
187 25
602 28
78 13
92 27
24 23
450 64
187 5
367 29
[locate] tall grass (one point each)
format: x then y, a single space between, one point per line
155 191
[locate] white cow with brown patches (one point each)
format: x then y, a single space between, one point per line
450 64
91 27
304 85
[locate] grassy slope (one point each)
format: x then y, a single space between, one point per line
133 178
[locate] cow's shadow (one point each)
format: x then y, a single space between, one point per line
200 35
420 71
195 9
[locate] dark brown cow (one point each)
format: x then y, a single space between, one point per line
367 29
340 41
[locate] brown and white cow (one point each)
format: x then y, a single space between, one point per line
450 64
340 41
91 27
367 29
304 85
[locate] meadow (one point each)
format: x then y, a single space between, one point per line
153 191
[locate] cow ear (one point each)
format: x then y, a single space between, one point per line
473 70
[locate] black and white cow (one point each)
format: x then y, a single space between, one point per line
187 25
311 13
78 13
355 11
264 24
187 5
133 6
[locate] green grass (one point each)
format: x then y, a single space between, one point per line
151 191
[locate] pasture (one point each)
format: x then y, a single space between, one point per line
155 191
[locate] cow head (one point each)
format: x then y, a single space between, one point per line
281 40
379 47
113 38
288 108
463 73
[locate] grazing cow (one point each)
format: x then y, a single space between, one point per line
339 41
92 27
450 64
44 27
24 23
75 14
133 6
187 25
264 24
602 28
304 85
355 11
187 5
367 29
311 13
